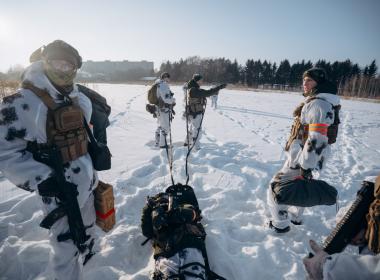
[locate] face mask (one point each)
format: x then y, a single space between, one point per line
61 74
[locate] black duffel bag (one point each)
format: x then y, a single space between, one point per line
99 152
304 193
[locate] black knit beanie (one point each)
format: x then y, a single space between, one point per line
317 74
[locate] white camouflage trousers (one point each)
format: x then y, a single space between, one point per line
66 260
281 214
188 259
195 130
163 126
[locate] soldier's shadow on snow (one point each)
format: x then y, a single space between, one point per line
253 112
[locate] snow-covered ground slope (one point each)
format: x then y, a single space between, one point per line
242 148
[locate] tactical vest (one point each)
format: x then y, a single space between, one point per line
301 132
64 126
195 105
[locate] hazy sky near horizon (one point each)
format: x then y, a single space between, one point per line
169 30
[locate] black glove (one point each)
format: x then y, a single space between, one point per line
306 174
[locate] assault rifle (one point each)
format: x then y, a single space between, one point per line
352 222
68 204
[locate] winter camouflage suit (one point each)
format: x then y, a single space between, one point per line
311 155
164 111
23 118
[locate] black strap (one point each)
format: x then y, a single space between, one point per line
191 264
211 275
89 132
170 157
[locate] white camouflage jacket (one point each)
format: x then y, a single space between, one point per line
23 118
164 94
318 111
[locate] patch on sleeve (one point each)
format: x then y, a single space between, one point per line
14 133
38 178
25 186
11 98
9 115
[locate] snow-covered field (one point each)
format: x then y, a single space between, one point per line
242 148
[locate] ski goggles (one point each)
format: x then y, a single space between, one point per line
62 65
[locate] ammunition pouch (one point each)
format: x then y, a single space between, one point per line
196 106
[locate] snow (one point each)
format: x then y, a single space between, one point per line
242 148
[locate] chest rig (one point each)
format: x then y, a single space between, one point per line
64 126
196 105
301 131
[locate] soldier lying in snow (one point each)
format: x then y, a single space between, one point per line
172 221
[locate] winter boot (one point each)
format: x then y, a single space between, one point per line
278 230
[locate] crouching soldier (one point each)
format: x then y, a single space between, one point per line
315 127
359 227
43 147
196 106
171 220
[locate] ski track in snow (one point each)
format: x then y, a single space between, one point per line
241 151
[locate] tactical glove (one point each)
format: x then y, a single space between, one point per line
306 174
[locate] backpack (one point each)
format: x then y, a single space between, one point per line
100 113
159 206
152 94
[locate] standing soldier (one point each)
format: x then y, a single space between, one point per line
165 111
196 106
214 101
43 147
315 128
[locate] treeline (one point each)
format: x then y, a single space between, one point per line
350 78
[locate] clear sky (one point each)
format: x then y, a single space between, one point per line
168 30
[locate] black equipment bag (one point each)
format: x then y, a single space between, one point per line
100 113
99 152
304 193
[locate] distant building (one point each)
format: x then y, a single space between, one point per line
118 71
109 67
